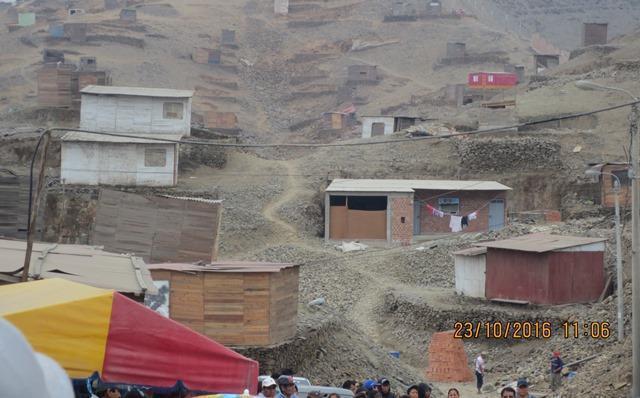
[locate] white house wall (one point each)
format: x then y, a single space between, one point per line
94 163
470 275
367 125
132 114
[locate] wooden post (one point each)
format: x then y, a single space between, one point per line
34 210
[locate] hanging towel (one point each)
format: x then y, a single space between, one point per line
473 216
465 221
435 212
455 224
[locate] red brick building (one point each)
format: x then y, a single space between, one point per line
396 210
606 181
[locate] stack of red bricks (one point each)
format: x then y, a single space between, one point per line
447 359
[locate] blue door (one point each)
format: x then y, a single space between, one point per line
496 214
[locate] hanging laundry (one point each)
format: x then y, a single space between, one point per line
455 224
465 221
473 216
435 212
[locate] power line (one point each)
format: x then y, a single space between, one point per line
352 144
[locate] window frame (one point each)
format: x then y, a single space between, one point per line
166 111
443 204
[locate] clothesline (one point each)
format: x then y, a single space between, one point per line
458 223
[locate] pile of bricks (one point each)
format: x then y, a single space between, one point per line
447 359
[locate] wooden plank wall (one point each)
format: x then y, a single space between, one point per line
156 228
56 85
284 304
14 199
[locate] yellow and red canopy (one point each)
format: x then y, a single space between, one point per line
87 329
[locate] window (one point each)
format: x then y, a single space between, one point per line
367 203
155 157
449 205
490 78
476 78
623 175
377 129
337 200
172 110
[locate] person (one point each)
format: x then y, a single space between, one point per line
350 385
314 394
287 387
267 388
412 391
424 390
108 392
453 393
508 392
480 371
384 386
523 388
369 384
556 371
333 395
135 393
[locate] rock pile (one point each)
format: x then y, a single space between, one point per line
507 154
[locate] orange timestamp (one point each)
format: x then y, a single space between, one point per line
529 330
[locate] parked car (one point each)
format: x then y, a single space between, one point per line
300 381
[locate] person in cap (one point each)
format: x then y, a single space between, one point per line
556 371
424 390
384 386
412 391
508 392
287 387
267 388
479 371
314 394
523 388
369 384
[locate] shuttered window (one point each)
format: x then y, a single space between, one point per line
173 110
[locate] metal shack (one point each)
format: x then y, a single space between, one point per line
89 265
147 113
234 303
396 210
492 80
545 269
375 126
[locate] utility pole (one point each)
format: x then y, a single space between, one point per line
635 250
34 201
620 279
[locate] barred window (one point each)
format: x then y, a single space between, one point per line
173 110
155 157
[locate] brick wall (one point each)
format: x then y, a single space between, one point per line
401 232
470 201
447 359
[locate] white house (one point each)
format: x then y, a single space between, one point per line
470 270
374 126
149 114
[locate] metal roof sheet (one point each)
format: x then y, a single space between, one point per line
540 242
137 91
470 252
367 185
79 263
224 266
77 136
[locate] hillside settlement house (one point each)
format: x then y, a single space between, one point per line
148 114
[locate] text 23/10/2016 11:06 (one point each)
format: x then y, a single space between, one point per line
531 330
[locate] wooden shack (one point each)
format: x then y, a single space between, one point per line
206 56
56 85
234 303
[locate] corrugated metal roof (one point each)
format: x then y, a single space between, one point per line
137 91
79 263
78 136
346 185
224 266
540 242
470 252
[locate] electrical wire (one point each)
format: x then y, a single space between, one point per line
352 144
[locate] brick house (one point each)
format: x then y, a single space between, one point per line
396 210
606 183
